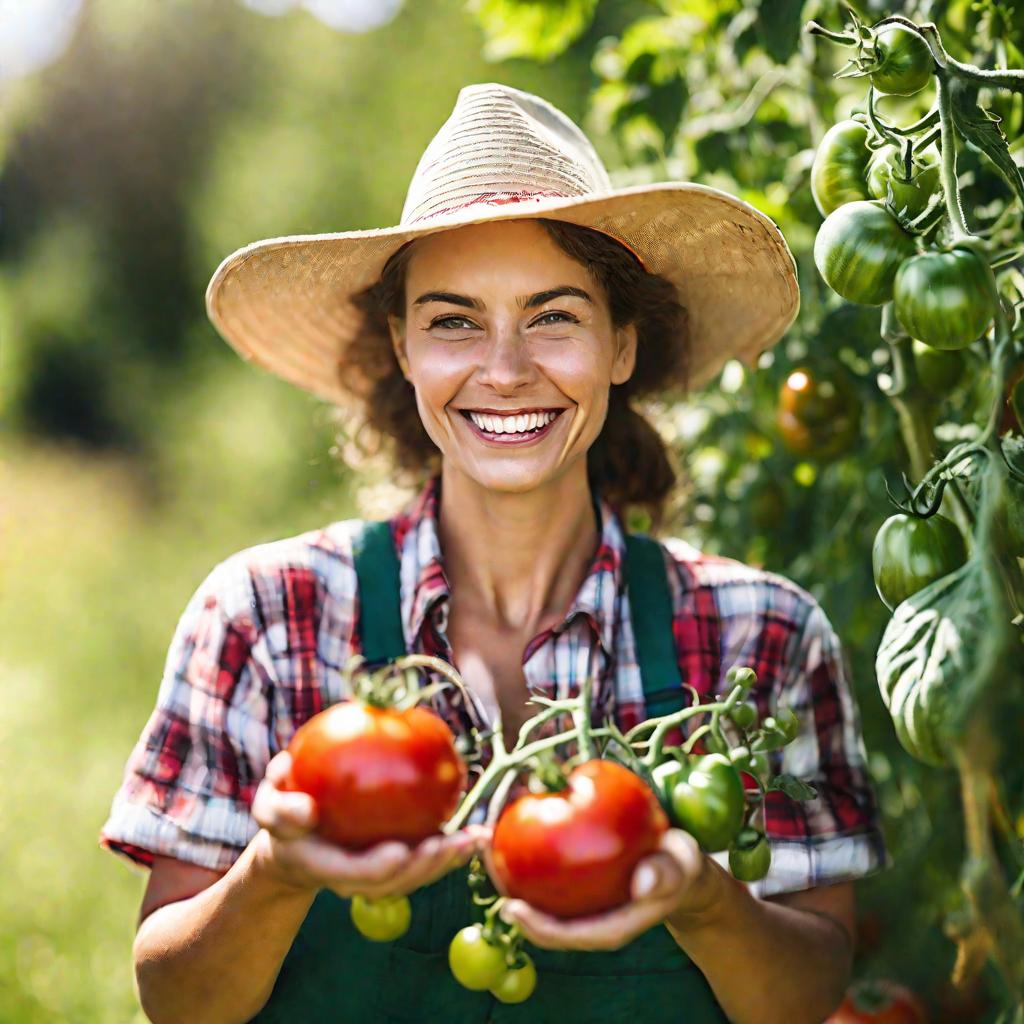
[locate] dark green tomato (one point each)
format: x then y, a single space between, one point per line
709 802
905 64
909 553
840 163
382 920
886 173
750 856
938 371
858 250
475 962
818 416
786 722
744 715
517 983
945 299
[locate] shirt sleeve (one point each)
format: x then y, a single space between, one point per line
189 782
837 835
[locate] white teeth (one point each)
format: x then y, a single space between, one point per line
511 424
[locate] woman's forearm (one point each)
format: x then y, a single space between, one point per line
766 963
214 958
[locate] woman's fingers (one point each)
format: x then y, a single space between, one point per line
599 932
284 815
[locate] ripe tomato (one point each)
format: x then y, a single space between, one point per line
886 174
905 64
945 299
840 163
377 773
382 920
909 553
937 370
750 856
573 852
858 250
707 800
879 1002
517 983
818 416
475 963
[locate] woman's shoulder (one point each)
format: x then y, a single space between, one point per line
735 587
303 568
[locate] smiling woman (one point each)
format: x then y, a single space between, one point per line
497 338
627 461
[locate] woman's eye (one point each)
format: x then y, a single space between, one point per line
564 318
457 323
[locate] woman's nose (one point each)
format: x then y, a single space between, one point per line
507 364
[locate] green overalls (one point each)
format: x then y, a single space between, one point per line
332 973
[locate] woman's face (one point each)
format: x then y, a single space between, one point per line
510 347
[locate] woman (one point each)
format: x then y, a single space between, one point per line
497 335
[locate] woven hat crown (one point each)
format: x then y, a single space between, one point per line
502 146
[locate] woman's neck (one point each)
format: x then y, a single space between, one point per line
516 559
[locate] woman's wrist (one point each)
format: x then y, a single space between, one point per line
702 902
270 870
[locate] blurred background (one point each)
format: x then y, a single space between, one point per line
140 143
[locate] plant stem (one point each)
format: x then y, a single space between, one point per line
842 38
950 186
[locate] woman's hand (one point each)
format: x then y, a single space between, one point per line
677 883
289 849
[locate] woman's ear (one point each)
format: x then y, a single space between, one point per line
396 328
625 354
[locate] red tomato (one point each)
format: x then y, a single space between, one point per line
377 774
879 1002
572 853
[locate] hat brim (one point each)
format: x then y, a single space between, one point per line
285 303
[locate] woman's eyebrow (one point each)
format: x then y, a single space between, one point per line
525 302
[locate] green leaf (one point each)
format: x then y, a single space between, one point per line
779 23
981 129
535 29
794 788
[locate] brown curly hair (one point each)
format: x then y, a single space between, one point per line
629 464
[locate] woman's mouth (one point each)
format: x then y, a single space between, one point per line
520 429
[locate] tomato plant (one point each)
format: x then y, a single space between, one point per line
382 920
945 299
475 962
859 249
911 552
904 62
879 1002
818 414
839 167
377 773
707 799
572 852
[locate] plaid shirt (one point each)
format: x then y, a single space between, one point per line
262 644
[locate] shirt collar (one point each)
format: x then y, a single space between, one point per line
425 585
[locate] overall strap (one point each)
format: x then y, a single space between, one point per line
650 606
380 613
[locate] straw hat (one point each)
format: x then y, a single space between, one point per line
284 303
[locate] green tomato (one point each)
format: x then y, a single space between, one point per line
517 983
858 250
886 174
709 801
786 722
909 553
757 765
938 370
905 63
750 856
945 299
382 920
743 714
840 163
475 962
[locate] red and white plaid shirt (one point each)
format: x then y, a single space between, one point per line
261 646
